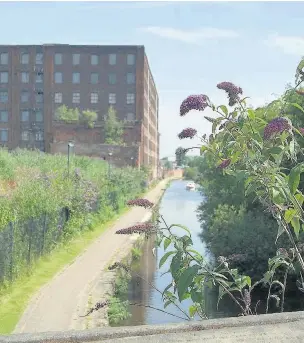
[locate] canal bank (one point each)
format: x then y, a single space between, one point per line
56 306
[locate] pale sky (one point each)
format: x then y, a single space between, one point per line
191 46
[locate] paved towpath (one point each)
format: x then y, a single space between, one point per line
54 306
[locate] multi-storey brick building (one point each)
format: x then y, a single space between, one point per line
36 79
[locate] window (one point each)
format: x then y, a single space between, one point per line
58 98
25 77
39 97
4 77
39 116
25 115
4 58
76 59
94 98
112 59
25 96
94 60
112 79
4 96
94 78
4 116
130 78
76 98
130 98
130 59
39 77
25 58
25 136
58 59
58 77
39 58
130 116
4 135
112 98
76 77
39 136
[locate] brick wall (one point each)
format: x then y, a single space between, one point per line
89 142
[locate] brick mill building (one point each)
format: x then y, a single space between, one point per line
37 79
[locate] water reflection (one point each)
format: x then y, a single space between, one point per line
178 206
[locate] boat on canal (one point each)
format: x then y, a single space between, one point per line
190 186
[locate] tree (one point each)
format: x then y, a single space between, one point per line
89 117
180 156
113 128
67 114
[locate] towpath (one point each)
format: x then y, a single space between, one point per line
53 308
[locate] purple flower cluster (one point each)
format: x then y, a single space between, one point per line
224 164
117 265
187 133
277 125
98 306
139 228
141 203
194 102
301 129
232 91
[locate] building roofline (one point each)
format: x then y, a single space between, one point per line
73 45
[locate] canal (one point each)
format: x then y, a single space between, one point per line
178 206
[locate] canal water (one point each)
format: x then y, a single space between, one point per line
178 206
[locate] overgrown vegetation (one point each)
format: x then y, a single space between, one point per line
73 115
41 206
113 128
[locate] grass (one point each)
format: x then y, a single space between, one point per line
14 299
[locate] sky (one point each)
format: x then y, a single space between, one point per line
191 46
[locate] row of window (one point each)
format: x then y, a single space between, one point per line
24 97
58 78
24 116
25 136
25 77
94 78
58 58
94 59
94 98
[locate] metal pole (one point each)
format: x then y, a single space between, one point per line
109 165
68 160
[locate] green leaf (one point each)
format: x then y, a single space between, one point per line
294 177
167 242
275 150
224 109
289 214
295 222
167 303
196 297
175 265
166 289
251 114
192 311
300 198
203 149
297 106
186 279
165 257
181 227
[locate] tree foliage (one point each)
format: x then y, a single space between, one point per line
113 128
